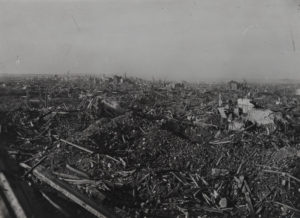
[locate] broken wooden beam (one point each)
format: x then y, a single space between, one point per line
283 174
34 166
43 175
55 205
4 212
77 146
11 197
16 197
78 172
220 142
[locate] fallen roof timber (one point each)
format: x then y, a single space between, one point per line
17 199
41 173
3 209
11 198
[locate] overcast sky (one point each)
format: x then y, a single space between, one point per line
175 39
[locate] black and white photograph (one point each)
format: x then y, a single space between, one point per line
149 108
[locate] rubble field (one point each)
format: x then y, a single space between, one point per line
137 148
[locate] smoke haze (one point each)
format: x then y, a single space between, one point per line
178 40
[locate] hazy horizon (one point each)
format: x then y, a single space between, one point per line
174 40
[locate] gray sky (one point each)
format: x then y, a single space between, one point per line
175 39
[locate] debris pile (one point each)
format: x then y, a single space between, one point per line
126 147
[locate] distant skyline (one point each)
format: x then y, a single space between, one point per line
165 39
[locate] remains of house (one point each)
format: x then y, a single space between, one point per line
233 85
126 147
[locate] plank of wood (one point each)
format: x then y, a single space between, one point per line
19 192
42 174
77 146
11 197
4 212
